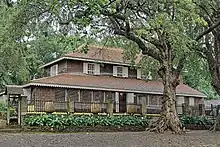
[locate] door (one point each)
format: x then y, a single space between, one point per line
122 102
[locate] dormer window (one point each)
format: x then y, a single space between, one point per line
91 68
120 71
54 70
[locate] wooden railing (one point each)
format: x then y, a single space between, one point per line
91 107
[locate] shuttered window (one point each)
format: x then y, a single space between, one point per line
120 71
91 68
54 70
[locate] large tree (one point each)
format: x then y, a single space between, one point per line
159 28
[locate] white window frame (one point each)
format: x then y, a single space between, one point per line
54 70
122 71
92 70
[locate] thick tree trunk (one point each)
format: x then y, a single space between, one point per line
213 59
169 119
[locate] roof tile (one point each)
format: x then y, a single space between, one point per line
101 53
109 82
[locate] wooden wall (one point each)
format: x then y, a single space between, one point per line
75 66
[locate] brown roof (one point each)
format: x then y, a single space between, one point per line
100 53
110 83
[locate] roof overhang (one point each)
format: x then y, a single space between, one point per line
84 59
2 93
105 89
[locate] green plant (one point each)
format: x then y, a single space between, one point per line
198 120
3 107
61 121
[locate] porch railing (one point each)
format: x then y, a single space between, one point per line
87 107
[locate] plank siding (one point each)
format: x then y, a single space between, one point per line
106 69
132 73
74 66
43 93
62 66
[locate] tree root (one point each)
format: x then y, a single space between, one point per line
163 124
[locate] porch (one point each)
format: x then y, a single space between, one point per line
90 101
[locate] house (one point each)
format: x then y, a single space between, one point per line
100 76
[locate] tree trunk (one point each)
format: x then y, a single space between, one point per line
213 58
169 119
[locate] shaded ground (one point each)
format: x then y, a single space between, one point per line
119 139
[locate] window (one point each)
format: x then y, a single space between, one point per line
91 68
85 96
119 71
98 96
54 70
137 99
186 100
155 100
109 96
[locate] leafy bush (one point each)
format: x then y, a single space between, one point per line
3 106
61 121
199 120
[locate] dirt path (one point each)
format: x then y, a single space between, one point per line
120 139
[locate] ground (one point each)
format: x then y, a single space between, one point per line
119 139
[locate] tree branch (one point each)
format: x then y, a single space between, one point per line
207 31
145 50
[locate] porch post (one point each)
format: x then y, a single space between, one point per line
144 100
19 110
104 97
8 109
116 101
131 107
79 95
24 107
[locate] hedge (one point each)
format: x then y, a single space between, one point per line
61 121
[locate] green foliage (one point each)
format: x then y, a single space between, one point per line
3 107
75 121
196 75
199 120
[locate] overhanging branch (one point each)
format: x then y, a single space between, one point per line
207 31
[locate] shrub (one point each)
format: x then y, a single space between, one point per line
3 106
61 121
199 120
